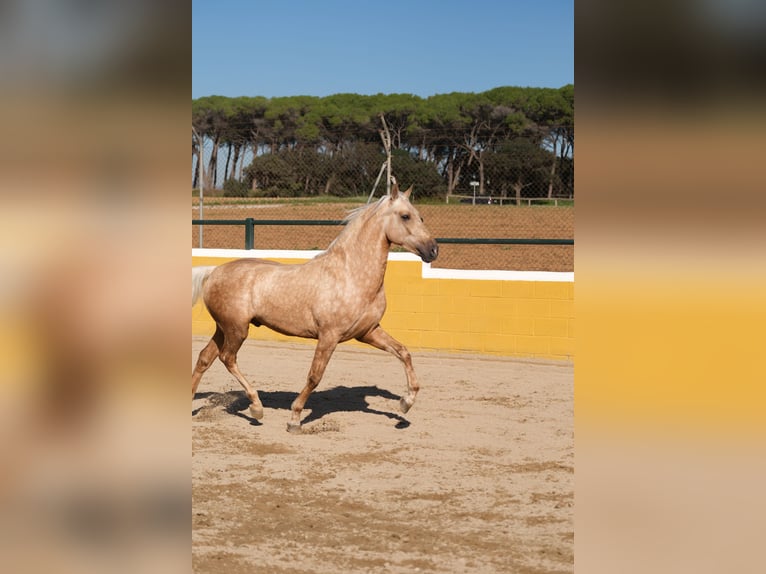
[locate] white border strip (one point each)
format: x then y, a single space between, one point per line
427 271
496 275
281 254
256 253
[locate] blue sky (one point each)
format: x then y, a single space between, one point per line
302 47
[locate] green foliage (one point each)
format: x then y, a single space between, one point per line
273 175
312 146
518 164
354 169
235 188
420 174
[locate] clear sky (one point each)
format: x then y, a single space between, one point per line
320 47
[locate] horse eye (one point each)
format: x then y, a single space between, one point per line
406 216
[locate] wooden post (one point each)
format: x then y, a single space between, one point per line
385 135
200 179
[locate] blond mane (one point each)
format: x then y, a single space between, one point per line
355 219
357 212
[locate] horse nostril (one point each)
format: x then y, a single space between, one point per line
428 252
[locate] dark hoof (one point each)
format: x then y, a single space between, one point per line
294 428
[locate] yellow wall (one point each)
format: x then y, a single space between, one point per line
501 317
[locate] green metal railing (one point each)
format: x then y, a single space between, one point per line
250 223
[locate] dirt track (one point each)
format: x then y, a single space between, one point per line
442 220
477 477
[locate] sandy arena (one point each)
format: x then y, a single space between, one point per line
478 477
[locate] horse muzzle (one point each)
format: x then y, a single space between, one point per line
428 251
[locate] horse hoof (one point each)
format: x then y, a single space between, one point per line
404 406
256 412
294 428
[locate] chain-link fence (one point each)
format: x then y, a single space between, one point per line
511 208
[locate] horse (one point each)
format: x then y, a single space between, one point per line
335 297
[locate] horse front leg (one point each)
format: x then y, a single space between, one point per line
322 354
378 338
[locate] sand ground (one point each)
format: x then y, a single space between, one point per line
477 477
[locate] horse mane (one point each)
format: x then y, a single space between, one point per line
356 217
357 212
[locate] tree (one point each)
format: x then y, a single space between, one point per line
209 118
196 158
441 127
518 164
410 170
336 147
271 175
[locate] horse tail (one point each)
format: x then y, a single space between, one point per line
199 275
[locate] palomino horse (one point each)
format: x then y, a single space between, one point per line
335 297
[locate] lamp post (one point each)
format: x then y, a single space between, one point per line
474 183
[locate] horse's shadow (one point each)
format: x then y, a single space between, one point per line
320 403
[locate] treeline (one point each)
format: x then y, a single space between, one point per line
511 140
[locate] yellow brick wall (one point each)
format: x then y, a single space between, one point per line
521 318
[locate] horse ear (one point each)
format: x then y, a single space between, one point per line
408 192
395 191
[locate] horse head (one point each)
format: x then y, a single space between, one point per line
404 226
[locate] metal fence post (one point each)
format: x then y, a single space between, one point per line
249 233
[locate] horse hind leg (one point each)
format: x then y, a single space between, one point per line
379 339
206 358
232 343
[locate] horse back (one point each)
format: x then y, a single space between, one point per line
232 280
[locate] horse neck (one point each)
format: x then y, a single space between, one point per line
363 250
